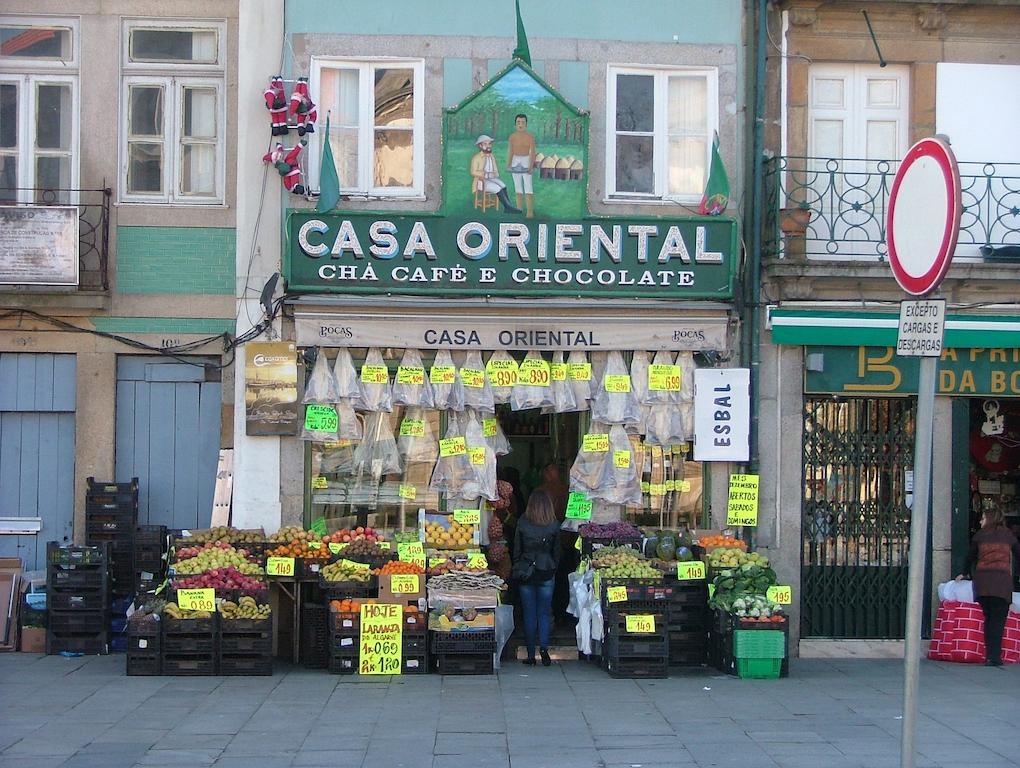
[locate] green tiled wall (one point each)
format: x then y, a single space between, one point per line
206 326
175 260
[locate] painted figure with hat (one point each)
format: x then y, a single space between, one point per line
485 174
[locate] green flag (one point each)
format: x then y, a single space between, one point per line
329 182
717 189
521 51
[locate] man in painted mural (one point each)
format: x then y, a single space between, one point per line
521 162
486 174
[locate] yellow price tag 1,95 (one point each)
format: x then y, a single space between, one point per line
641 623
616 594
780 594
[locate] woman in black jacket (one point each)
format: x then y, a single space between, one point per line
536 557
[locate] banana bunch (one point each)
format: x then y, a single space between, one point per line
175 612
245 608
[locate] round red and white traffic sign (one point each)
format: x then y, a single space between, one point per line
923 219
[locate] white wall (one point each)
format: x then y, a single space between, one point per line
978 107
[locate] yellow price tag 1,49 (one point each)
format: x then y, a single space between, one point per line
595 443
452 446
616 594
467 516
279 566
642 623
197 599
617 382
690 570
410 374
405 583
558 371
780 594
621 459
579 371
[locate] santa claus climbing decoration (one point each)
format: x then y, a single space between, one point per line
288 163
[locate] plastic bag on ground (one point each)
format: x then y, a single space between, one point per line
502 373
321 387
579 378
563 399
477 392
587 470
447 391
320 423
346 376
377 454
411 385
375 383
534 384
482 459
416 442
615 402
453 473
350 423
621 479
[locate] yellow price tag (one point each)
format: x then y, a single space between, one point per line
452 446
467 516
684 486
670 486
534 373
477 455
664 378
279 566
488 427
442 374
353 565
646 487
641 623
410 374
472 377
407 492
558 371
336 546
502 373
411 552
434 561
383 544
375 374
379 641
596 443
404 583
657 489
412 428
621 459
577 543
319 483
315 545
617 382
197 599
781 594
691 570
477 561
742 502
616 594
579 371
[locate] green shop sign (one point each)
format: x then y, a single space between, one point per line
435 255
878 371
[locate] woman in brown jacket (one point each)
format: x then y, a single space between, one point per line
990 561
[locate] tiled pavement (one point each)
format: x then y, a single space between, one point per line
84 713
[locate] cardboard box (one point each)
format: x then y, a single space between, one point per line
387 595
33 640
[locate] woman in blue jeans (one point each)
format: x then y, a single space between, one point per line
536 557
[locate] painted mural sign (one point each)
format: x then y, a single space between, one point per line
270 388
514 219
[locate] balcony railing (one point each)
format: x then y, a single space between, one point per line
93 230
847 200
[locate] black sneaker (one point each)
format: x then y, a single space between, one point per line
546 661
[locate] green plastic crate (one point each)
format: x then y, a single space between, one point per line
759 644
759 669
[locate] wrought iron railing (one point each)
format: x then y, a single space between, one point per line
847 199
93 231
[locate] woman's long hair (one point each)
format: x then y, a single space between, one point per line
993 519
540 510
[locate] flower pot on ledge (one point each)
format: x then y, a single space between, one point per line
794 221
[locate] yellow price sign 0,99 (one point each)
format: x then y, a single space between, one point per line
197 599
691 570
642 623
780 594
742 502
405 583
279 566
616 594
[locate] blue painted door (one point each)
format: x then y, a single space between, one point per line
37 404
168 436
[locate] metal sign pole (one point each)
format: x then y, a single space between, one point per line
918 553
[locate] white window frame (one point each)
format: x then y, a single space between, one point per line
366 143
174 77
27 73
660 124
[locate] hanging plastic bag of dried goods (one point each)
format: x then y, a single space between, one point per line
492 430
502 372
615 402
350 423
598 362
639 382
482 460
477 393
579 379
664 425
621 480
320 424
346 376
411 385
416 442
587 470
335 457
447 391
453 473
533 388
685 397
321 387
375 383
663 380
377 454
562 393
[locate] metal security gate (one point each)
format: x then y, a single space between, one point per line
856 524
168 436
37 404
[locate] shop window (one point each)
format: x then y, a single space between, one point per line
38 111
173 114
376 112
659 129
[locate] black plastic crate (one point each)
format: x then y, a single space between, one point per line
612 611
637 667
315 640
83 622
590 545
75 577
414 664
117 521
94 556
652 646
144 663
246 664
189 663
61 599
350 590
246 642
468 641
463 663
143 636
683 655
201 643
617 626
342 665
687 622
98 487
645 589
151 535
172 626
88 643
689 593
414 644
344 623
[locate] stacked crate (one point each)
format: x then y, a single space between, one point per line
632 654
759 654
111 514
463 652
246 646
150 556
189 646
144 638
344 632
414 641
315 644
721 647
688 623
78 599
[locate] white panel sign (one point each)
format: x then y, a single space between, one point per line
722 414
418 331
922 326
38 245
